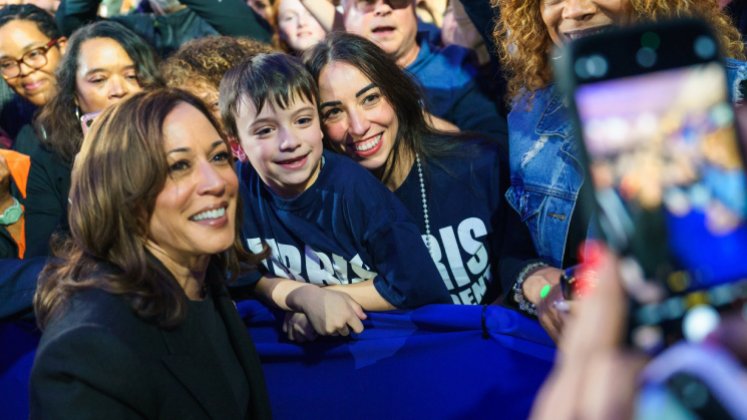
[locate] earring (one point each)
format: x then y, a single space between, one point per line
77 112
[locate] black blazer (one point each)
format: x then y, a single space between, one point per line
100 360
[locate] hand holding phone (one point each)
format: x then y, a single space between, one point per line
660 146
86 121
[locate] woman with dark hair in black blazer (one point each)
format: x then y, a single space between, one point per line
136 318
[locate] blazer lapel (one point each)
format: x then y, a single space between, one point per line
245 353
202 378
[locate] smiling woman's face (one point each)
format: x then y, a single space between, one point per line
566 20
37 85
195 213
356 115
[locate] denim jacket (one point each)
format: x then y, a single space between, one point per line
546 172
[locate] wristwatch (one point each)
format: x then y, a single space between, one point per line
12 213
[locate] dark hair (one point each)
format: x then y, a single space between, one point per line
44 20
117 176
277 77
398 88
58 123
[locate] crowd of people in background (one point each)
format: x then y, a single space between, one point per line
388 154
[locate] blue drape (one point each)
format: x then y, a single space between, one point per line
439 361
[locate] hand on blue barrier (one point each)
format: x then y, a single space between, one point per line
298 328
328 311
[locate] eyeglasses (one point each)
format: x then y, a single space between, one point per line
36 59
367 6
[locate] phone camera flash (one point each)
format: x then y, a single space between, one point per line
698 322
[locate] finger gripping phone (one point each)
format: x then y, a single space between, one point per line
86 121
657 132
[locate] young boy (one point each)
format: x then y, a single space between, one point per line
341 242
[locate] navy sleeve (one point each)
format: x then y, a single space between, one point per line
15 112
483 16
243 287
473 111
18 285
407 277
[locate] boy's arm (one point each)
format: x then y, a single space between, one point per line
330 312
365 294
276 291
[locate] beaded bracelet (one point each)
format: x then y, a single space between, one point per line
524 304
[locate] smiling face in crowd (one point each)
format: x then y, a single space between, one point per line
195 212
283 145
356 115
570 19
390 24
23 37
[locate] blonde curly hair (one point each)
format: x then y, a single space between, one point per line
524 43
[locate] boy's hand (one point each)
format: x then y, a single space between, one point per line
329 312
298 327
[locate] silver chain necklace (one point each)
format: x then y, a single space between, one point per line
425 203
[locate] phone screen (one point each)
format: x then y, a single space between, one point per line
668 172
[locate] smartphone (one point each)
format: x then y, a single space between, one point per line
659 143
86 121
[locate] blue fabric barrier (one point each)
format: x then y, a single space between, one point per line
439 361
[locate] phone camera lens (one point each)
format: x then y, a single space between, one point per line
593 66
650 40
705 47
646 57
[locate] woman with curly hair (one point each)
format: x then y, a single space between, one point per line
546 175
199 65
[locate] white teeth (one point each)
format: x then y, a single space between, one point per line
367 145
210 214
580 34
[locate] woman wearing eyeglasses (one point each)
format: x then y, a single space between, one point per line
31 47
30 51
